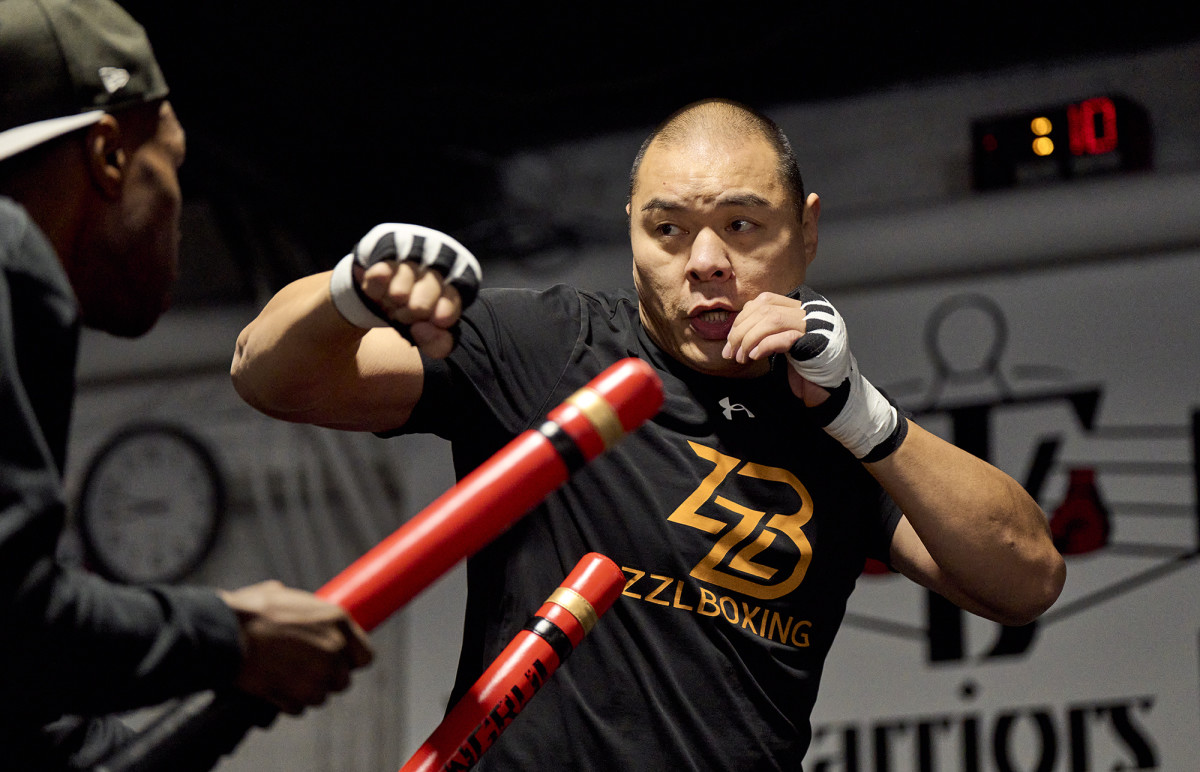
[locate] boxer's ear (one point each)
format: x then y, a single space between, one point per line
808 227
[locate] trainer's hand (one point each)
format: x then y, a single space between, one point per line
415 279
296 648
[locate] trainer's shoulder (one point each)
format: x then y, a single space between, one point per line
15 229
23 246
10 210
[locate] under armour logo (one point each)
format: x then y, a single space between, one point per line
730 407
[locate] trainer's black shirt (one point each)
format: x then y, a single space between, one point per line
72 646
740 525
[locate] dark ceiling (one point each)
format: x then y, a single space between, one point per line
329 118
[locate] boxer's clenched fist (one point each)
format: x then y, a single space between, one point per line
409 277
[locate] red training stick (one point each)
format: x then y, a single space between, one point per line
522 668
497 493
197 732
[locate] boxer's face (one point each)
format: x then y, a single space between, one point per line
134 258
712 226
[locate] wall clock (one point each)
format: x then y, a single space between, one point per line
151 504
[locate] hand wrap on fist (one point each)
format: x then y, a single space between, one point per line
856 414
425 247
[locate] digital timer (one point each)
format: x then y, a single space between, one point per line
1096 135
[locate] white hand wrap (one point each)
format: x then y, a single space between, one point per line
348 300
426 247
856 413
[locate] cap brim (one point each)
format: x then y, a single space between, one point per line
21 138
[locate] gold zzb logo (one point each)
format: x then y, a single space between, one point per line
731 562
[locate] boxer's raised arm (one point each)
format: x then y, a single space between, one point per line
341 349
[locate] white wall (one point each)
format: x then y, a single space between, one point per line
1094 281
1123 636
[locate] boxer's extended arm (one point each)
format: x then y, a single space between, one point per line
341 349
301 361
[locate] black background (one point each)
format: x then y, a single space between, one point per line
327 118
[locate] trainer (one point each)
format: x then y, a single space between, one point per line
89 234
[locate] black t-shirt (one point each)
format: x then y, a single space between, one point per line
72 646
740 525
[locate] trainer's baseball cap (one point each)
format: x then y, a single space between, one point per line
64 63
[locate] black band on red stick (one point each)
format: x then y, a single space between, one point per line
564 444
552 634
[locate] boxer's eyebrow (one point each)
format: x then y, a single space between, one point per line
733 199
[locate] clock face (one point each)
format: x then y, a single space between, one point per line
150 505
